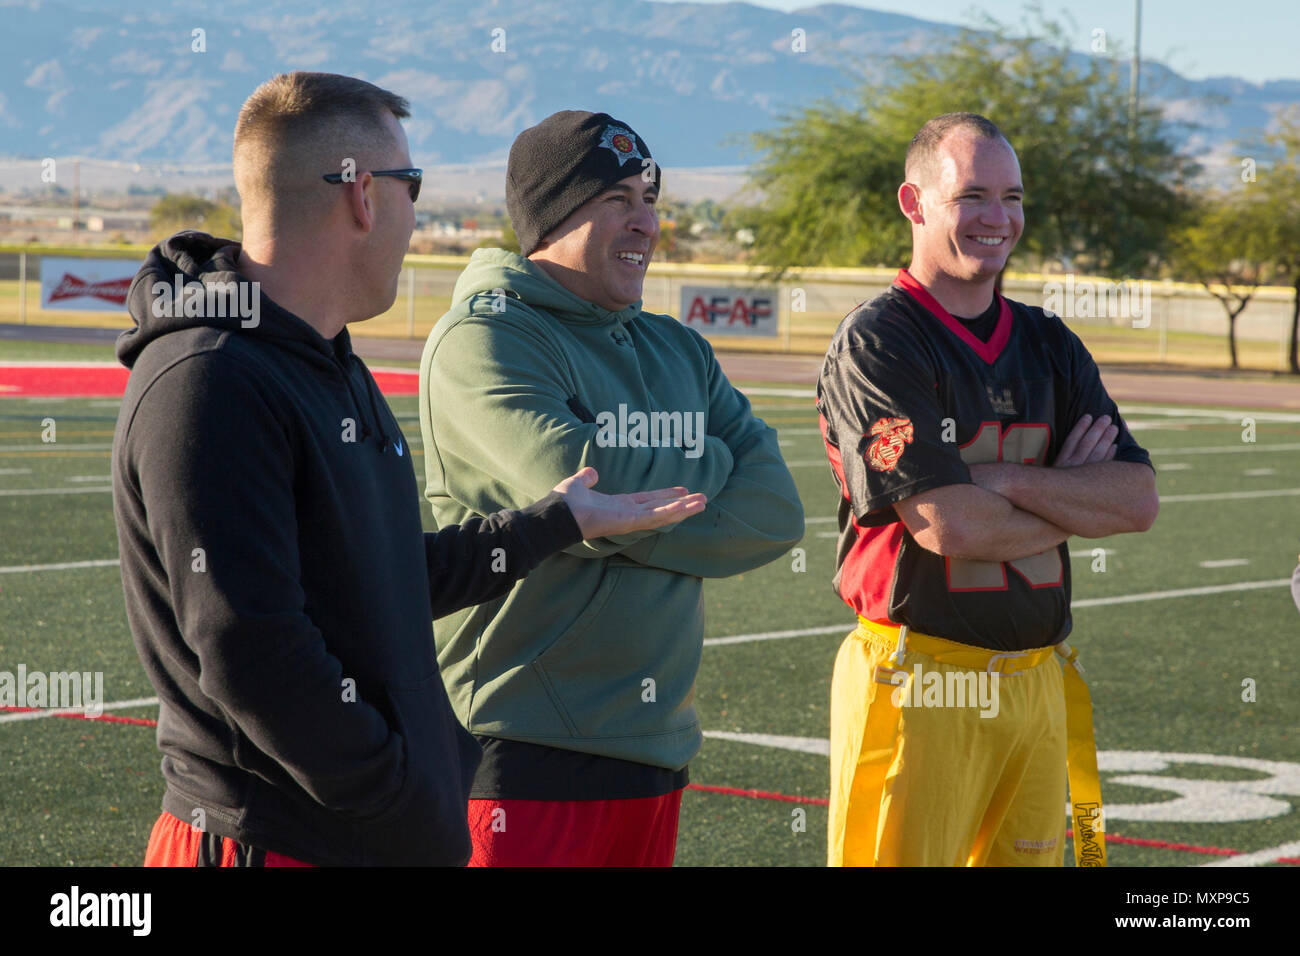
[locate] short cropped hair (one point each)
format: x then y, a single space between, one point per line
925 144
296 127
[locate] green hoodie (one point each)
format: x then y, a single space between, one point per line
597 649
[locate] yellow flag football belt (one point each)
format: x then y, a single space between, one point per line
1086 815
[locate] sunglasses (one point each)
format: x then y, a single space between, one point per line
413 178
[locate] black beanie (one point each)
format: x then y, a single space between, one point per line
562 162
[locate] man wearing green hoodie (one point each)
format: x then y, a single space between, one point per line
579 681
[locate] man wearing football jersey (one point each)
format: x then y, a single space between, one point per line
970 437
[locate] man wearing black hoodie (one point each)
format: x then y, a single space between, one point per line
278 583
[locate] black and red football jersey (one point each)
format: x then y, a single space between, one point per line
909 398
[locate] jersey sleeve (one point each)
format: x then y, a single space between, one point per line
883 414
1088 396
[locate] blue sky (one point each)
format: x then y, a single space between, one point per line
1253 39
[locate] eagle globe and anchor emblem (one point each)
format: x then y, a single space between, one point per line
891 435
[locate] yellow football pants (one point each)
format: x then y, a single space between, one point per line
919 781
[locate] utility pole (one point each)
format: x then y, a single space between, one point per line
1135 74
76 194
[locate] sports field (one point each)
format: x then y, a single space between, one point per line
1181 625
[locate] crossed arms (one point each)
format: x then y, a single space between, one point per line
1013 511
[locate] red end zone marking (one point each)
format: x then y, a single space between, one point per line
109 381
66 381
138 721
758 794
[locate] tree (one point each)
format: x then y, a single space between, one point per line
1279 187
1099 195
175 212
508 241
1223 246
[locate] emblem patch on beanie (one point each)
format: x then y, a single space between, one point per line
621 142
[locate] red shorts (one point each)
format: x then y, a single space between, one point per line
638 832
174 842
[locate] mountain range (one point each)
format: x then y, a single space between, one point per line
123 80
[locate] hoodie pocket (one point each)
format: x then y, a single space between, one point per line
427 822
561 649
627 665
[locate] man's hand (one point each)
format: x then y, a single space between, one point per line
600 515
1088 443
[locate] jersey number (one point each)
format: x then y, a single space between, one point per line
1022 444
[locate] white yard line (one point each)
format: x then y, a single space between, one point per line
1203 450
18 492
43 364
58 446
1224 563
846 626
1175 411
781 392
63 566
841 628
1142 423
1225 449
1259 857
1181 592
6 718
807 745
1230 495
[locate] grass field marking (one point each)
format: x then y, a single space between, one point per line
1230 495
846 626
1180 592
54 447
1227 415
58 454
843 628
93 433
1204 450
1177 424
15 471
62 566
21 492
1164 499
39 714
780 392
808 745
38 363
1226 449
1224 563
1260 857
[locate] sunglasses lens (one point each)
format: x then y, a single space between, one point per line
415 190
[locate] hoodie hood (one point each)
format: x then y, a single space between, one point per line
520 278
192 280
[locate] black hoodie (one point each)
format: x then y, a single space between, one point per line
279 586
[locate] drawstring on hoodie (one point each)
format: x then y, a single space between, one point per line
384 440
